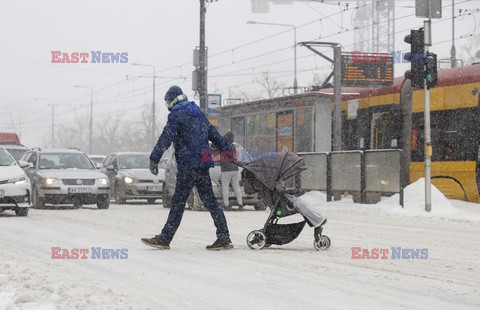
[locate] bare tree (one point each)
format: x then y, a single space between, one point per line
273 87
470 52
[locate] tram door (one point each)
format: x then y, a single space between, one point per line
386 130
285 131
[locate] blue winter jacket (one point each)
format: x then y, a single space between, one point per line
189 130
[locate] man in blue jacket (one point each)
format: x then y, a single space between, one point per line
189 130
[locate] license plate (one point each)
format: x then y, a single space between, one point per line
79 190
2 193
154 188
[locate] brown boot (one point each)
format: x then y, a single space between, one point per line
220 244
156 242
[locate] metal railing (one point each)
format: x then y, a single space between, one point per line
368 175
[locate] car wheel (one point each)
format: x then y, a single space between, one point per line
151 200
21 211
119 198
103 204
37 202
166 199
260 206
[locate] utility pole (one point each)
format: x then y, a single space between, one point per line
152 132
53 118
337 87
453 51
428 140
295 83
202 70
337 94
91 117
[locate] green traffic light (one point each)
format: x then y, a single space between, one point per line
429 77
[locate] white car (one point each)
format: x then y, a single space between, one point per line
15 186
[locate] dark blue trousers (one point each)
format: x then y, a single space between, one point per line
186 179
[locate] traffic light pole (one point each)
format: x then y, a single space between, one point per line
428 141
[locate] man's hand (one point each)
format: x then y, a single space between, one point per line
153 167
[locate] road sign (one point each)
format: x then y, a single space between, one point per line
367 69
428 8
214 101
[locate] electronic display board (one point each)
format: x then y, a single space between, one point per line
367 69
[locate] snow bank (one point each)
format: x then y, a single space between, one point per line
414 204
414 201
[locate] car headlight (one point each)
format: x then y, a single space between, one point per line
50 181
103 181
18 180
128 180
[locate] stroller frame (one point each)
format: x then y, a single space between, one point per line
280 234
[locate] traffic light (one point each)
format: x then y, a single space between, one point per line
416 57
431 70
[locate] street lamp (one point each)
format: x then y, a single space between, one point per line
91 116
11 120
295 85
153 103
19 121
53 117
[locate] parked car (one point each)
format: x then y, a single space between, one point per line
130 176
97 160
11 142
194 201
16 150
15 186
65 176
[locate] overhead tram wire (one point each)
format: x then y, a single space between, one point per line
253 42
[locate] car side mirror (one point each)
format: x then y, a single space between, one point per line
98 165
24 164
111 168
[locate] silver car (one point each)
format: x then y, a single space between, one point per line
65 176
194 202
130 177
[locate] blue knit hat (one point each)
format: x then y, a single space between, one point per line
173 92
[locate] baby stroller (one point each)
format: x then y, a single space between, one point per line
265 177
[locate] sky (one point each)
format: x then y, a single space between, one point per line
164 34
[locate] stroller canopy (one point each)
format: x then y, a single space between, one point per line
278 166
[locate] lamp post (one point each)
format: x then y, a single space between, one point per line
153 102
19 121
11 120
91 117
295 85
53 117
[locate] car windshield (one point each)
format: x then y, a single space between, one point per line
6 159
64 161
137 161
16 153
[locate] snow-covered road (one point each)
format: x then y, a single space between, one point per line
293 276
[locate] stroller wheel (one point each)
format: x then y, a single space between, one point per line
322 244
256 240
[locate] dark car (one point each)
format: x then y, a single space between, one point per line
130 176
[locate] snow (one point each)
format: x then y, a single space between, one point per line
292 276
